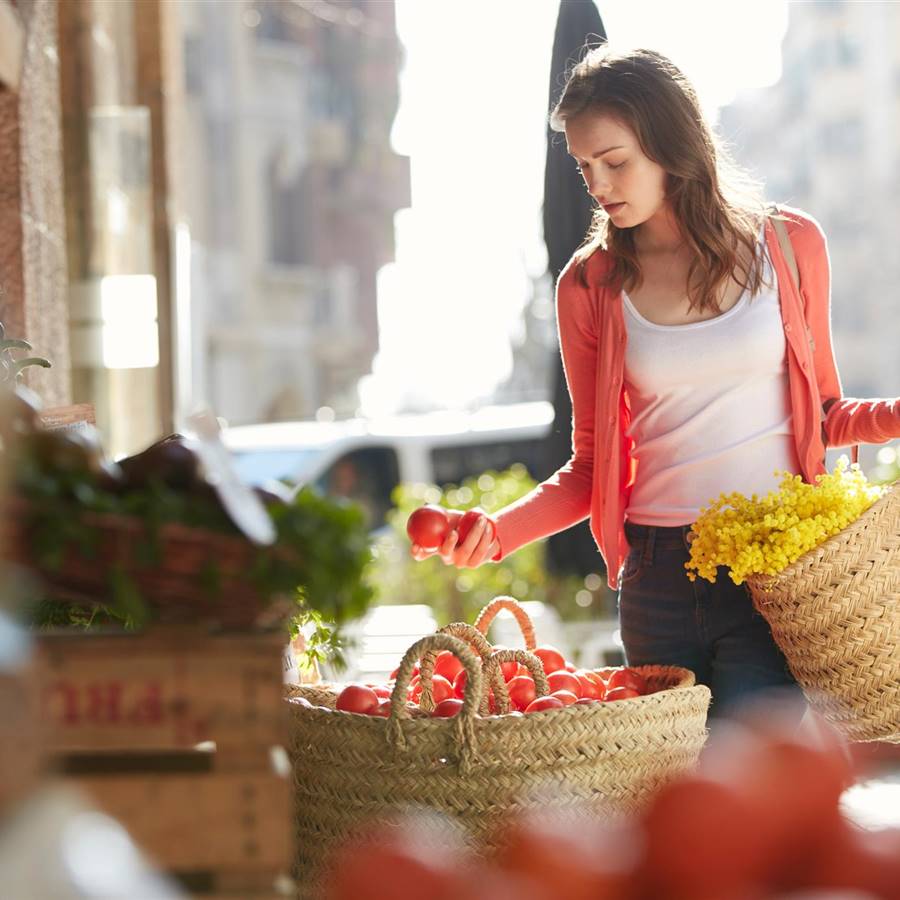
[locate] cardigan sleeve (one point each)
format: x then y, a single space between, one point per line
852 421
563 499
847 420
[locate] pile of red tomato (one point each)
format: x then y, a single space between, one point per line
568 686
758 819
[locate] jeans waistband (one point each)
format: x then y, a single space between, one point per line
657 535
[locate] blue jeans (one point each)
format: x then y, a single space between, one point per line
711 629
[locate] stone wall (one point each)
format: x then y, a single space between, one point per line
33 279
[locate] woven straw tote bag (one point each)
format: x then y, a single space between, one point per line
350 769
835 614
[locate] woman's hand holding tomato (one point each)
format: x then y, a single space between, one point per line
471 539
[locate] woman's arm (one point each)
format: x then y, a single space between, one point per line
848 420
563 499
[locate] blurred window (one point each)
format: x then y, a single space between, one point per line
259 466
368 477
287 226
453 464
272 25
193 64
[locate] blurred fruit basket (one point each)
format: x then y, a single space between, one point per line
191 574
164 536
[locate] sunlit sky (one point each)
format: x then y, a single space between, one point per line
472 119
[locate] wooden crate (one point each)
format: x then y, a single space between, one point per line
165 689
70 418
180 736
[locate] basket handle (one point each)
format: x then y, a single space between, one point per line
529 660
464 721
476 640
487 615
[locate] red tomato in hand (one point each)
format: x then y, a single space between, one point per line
468 520
621 693
428 526
447 665
521 691
541 703
357 698
627 678
564 681
447 708
551 659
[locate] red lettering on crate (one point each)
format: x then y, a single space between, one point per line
104 703
148 709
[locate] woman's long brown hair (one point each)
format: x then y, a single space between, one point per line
718 206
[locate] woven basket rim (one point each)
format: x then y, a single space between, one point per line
766 582
685 683
652 668
606 709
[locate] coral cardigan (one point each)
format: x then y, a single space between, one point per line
598 477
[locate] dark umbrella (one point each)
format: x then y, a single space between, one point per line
567 216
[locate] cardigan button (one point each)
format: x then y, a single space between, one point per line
787 326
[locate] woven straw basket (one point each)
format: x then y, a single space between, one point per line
176 581
835 613
349 769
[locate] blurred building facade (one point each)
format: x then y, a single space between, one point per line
826 139
290 193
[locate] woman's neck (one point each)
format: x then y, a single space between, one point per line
660 234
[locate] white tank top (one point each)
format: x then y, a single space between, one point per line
710 407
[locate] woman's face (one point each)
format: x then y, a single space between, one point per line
628 184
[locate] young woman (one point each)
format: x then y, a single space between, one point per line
693 364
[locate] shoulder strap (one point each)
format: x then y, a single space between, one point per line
785 243
788 252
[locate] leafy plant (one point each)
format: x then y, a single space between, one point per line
458 594
11 366
317 562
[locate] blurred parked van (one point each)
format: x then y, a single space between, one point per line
365 459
